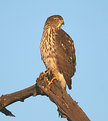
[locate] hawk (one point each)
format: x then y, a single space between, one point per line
57 51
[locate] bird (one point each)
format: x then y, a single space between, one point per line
57 51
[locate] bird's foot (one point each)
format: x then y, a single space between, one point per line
46 73
54 78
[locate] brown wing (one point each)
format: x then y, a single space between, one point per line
65 54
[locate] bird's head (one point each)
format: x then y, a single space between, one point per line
55 21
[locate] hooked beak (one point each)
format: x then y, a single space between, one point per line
62 22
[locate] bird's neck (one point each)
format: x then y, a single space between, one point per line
47 27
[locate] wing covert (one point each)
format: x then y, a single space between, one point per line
65 54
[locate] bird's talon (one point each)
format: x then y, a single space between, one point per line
54 78
45 73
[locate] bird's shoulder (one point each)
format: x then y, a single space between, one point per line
64 41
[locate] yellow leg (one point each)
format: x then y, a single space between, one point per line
55 77
45 73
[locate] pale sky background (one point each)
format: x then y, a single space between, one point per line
21 27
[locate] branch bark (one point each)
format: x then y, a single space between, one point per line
67 107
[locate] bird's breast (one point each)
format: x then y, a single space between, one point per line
47 48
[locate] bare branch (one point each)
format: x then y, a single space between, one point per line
8 99
67 107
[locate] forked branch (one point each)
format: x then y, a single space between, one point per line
67 107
